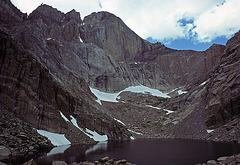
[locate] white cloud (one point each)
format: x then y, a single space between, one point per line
223 20
159 19
84 7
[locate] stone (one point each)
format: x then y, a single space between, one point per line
120 162
222 158
30 162
31 148
212 162
4 151
111 161
103 160
228 160
59 163
74 163
1 163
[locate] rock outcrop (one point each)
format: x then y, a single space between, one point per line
235 159
109 32
30 91
223 87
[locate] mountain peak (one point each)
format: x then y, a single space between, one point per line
10 12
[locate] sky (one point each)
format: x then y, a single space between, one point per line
178 24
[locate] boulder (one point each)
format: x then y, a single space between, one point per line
30 162
59 163
4 152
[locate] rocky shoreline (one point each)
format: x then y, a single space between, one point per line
225 160
228 160
18 139
101 161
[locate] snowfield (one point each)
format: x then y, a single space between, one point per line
55 138
112 97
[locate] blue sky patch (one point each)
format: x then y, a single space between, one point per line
190 44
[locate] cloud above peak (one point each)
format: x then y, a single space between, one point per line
163 20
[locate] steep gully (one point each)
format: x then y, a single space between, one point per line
49 59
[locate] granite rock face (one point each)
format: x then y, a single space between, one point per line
109 32
49 59
10 14
223 87
29 91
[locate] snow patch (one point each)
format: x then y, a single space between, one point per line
210 130
112 97
74 122
119 121
97 137
92 134
64 117
152 107
146 90
168 111
80 39
58 150
181 92
49 39
55 138
132 138
138 133
205 82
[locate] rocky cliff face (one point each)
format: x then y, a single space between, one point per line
29 91
49 60
10 14
36 85
109 32
223 87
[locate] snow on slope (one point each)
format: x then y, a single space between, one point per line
64 117
120 121
112 97
181 92
92 134
210 130
55 138
168 111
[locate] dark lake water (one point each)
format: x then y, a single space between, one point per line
145 152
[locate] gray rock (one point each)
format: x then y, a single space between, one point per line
212 162
4 151
31 148
222 158
30 162
103 160
59 163
1 163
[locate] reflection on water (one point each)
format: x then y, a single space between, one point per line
99 147
58 150
142 152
